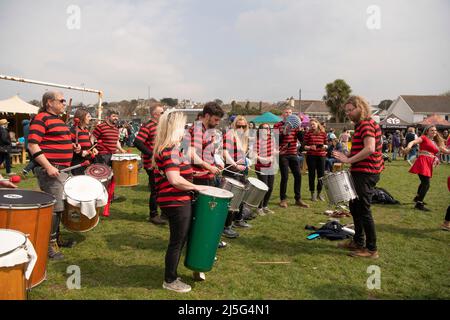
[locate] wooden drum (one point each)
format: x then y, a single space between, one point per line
29 212
125 167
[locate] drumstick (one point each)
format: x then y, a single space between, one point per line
69 110
13 179
76 122
83 164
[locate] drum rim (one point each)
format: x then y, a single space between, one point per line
238 184
256 179
22 206
217 196
4 254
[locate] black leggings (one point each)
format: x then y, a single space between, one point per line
268 180
423 187
315 163
179 224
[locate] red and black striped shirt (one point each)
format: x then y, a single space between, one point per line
373 163
288 143
202 141
318 139
230 144
264 150
83 137
171 159
147 135
109 136
53 137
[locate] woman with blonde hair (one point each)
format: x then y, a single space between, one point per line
430 143
173 176
315 142
235 150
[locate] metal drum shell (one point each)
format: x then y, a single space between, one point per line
339 187
253 194
238 191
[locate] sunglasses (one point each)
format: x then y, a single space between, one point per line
241 127
61 100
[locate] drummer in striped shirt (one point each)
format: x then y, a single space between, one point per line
315 142
107 136
366 165
81 137
50 144
145 141
173 180
289 160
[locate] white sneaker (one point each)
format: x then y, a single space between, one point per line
260 212
313 196
177 286
199 276
321 197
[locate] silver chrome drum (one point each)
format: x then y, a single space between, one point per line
339 187
238 191
256 190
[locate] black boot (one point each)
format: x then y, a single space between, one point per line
420 206
416 199
53 251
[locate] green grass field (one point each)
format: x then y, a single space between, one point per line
123 257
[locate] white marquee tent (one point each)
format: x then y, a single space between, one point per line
17 105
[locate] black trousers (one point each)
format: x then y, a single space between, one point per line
290 162
360 209
423 187
104 159
152 205
77 160
447 215
179 224
269 180
4 156
315 164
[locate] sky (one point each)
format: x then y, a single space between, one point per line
257 50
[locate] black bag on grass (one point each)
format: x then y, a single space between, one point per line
332 230
381 196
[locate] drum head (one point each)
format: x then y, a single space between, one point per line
83 188
217 193
258 184
125 156
24 198
99 171
11 240
235 182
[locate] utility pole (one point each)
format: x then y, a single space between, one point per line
300 100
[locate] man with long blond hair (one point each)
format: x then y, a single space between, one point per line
366 165
173 179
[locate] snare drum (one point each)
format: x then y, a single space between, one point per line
84 197
210 213
101 172
339 187
125 168
255 192
29 212
17 260
238 191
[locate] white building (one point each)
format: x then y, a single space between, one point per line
415 109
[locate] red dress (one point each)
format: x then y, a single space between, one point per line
424 163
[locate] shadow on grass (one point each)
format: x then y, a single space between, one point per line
418 233
78 237
339 291
271 245
105 273
125 241
117 214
